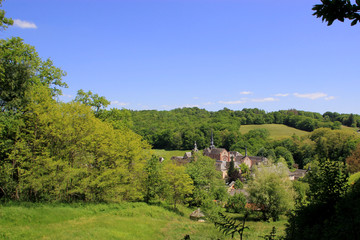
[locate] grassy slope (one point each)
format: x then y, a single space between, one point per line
167 154
109 221
277 131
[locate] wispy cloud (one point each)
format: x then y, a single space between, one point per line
246 93
329 98
195 98
311 96
281 95
190 106
24 24
208 103
67 96
268 99
232 102
120 104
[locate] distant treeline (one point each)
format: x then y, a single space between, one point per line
179 128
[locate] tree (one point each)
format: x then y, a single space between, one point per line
21 68
332 211
271 191
4 22
205 178
179 183
353 161
154 181
328 182
236 203
331 10
91 99
232 172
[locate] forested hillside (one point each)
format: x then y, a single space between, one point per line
179 128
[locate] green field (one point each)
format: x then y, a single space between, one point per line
167 154
277 131
110 221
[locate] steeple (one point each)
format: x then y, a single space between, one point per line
195 147
212 140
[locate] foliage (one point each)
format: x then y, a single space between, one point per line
21 69
236 203
229 226
91 99
333 210
238 184
353 161
272 235
331 10
4 22
271 191
328 182
206 179
179 184
302 189
335 145
232 173
154 179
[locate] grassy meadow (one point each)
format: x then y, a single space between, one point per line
167 154
277 131
110 221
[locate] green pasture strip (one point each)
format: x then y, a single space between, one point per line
277 131
167 154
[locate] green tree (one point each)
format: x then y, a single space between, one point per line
331 10
4 22
154 179
232 172
332 211
328 182
205 178
20 69
271 190
236 203
353 161
91 99
179 183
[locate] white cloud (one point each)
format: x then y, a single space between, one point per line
195 98
24 24
67 96
269 99
208 103
190 106
329 98
281 95
117 103
246 93
311 96
232 102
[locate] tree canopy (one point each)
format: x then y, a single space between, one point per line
331 10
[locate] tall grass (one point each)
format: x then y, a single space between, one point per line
110 221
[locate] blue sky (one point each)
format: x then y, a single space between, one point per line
165 54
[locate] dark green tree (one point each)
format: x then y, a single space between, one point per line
233 173
331 10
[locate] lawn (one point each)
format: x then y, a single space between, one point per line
110 221
277 131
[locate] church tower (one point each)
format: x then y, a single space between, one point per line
212 146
